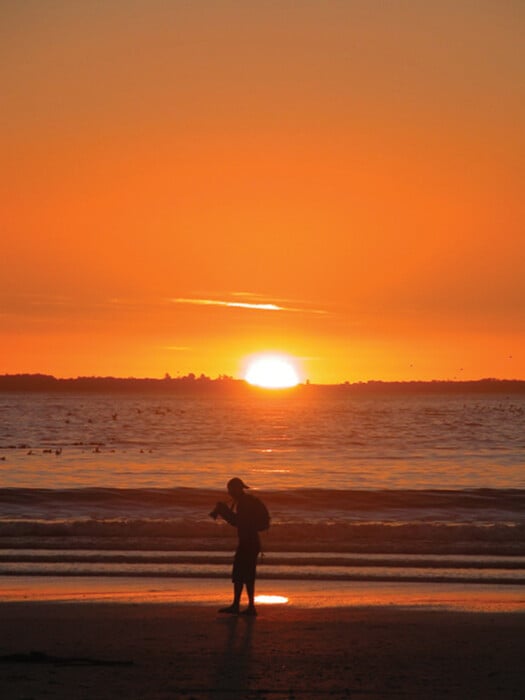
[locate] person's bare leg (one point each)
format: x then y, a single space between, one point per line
233 609
237 592
250 590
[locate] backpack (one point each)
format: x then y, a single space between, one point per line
260 514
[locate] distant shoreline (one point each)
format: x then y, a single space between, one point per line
224 385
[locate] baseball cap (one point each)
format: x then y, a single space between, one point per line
236 482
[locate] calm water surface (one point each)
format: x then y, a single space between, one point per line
275 441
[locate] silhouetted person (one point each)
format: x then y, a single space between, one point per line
249 515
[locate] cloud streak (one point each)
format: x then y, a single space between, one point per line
253 306
230 304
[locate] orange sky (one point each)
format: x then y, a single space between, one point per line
356 165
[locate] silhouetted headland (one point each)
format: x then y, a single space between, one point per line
225 385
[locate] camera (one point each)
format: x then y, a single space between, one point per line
220 509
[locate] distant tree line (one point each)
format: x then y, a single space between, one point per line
48 383
202 384
436 386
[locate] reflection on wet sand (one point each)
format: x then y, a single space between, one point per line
271 599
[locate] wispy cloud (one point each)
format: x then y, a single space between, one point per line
254 306
248 295
231 304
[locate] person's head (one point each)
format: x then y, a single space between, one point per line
236 488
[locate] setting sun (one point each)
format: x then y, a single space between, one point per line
272 372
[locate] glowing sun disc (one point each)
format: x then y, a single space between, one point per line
272 372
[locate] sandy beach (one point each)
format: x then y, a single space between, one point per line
56 649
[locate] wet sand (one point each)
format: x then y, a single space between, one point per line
298 593
179 650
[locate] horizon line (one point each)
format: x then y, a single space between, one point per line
224 377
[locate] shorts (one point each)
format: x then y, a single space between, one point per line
245 562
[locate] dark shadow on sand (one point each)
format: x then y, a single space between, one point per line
231 678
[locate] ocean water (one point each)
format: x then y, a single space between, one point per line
393 487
